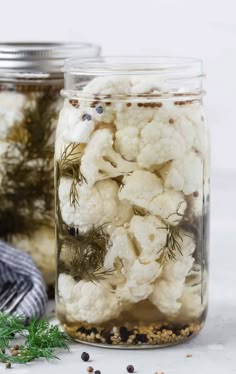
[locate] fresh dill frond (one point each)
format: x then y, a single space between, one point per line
27 183
69 166
172 244
41 339
87 252
9 326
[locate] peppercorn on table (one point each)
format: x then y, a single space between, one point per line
213 351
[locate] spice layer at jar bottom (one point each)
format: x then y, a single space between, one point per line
132 214
28 115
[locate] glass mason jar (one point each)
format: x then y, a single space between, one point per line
30 83
132 201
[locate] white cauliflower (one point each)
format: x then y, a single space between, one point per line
120 255
133 115
127 143
86 301
192 305
169 288
71 128
195 203
166 296
159 143
96 206
101 161
108 85
150 234
140 187
11 107
189 120
184 174
139 283
195 295
170 206
144 189
143 84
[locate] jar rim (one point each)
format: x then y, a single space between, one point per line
125 65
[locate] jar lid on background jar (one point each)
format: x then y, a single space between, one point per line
26 59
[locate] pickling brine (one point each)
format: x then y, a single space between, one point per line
132 202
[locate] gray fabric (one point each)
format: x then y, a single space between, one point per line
18 272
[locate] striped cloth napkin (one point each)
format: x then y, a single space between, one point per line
22 289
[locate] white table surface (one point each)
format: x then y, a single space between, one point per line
213 351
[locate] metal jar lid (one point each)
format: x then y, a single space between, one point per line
25 60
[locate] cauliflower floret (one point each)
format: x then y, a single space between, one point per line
96 206
108 85
184 174
146 85
86 301
127 143
169 289
159 143
102 88
150 234
11 107
194 113
188 120
72 127
166 295
170 206
196 204
192 305
139 283
140 187
133 115
195 295
122 249
101 161
144 189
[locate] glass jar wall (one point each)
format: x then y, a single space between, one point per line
132 201
30 84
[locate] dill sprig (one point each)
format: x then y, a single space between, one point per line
69 166
41 339
27 183
9 326
173 242
87 254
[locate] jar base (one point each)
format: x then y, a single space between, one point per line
163 337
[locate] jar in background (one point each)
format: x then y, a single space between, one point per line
132 201
30 83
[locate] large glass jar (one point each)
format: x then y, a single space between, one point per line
132 201
30 83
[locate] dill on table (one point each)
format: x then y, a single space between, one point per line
40 339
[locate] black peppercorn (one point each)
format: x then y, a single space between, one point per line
99 109
85 356
97 372
71 231
124 334
86 117
130 369
8 365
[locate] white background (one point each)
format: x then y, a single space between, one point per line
198 28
